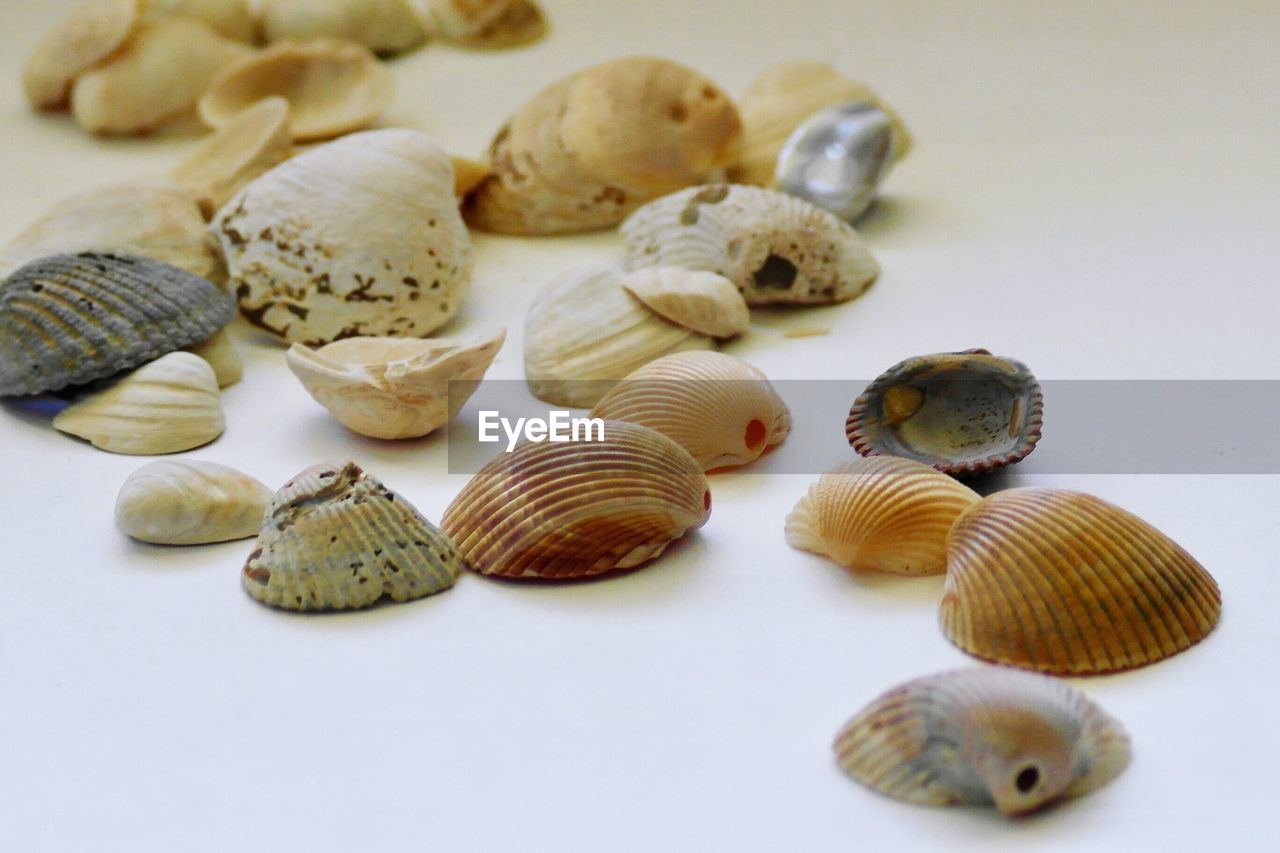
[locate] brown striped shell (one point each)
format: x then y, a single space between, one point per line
568 510
1064 582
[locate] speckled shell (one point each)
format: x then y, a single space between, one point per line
567 510
384 26
220 351
882 514
962 412
255 140
719 408
776 248
983 736
701 301
71 319
85 37
591 148
334 538
584 332
486 24
187 502
1064 582
233 19
392 258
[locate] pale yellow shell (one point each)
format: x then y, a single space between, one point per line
220 351
85 37
701 301
186 502
231 18
487 24
467 174
384 26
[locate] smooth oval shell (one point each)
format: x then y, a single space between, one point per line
220 351
71 319
187 502
334 538
719 408
963 413
485 24
384 26
774 247
230 18
701 301
881 514
567 510
1064 582
981 737
85 37
838 158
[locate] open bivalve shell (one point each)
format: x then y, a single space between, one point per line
85 37
881 514
775 248
233 19
1064 582
334 538
393 257
701 301
485 24
719 408
981 737
568 510
185 502
384 26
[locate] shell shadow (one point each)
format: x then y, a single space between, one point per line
903 221
38 411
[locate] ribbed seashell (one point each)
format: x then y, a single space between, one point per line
220 351
983 736
961 412
167 406
776 248
881 514
394 387
568 510
335 538
486 24
591 148
333 87
1064 582
71 319
230 18
361 236
838 158
584 332
782 98
719 408
186 502
701 301
86 36
384 26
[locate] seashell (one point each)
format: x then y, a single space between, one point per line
335 538
838 158
394 387
701 301
185 502
167 406
88 35
384 26
333 87
155 76
393 258
961 412
881 514
568 510
1064 582
486 24
981 737
71 319
220 352
584 332
591 148
719 408
231 19
467 174
255 140
776 248
784 97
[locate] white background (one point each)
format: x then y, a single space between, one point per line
1094 192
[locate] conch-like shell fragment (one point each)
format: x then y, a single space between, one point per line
383 26
701 301
485 24
88 35
185 502
255 140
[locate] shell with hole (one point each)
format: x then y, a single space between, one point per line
482 24
358 237
1066 583
590 148
881 514
85 37
254 141
186 502
334 538
701 301
394 387
220 351
983 736
719 408
383 26
777 249
568 510
233 19
838 158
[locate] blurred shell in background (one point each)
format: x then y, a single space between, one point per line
383 26
483 24
86 36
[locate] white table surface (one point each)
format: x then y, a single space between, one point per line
1094 192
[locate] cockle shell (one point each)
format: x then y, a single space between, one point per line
393 258
589 149
701 301
838 158
719 408
167 406
567 510
962 412
230 18
881 514
584 332
981 737
85 37
394 387
71 319
220 351
1064 582
186 502
335 538
487 24
333 87
774 247
384 26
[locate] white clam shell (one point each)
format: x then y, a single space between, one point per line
701 301
482 23
385 26
189 502
85 37
233 19
220 351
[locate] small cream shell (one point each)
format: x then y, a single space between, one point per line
383 26
188 502
220 351
485 24
233 19
88 35
701 301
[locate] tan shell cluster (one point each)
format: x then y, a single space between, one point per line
188 502
383 26
484 24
